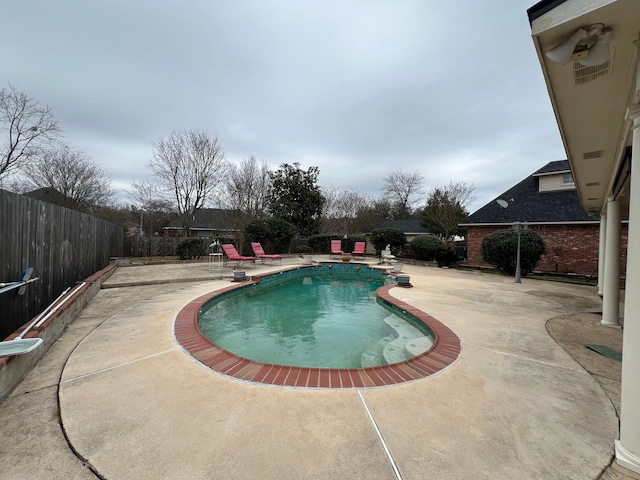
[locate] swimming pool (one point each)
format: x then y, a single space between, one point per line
444 350
322 318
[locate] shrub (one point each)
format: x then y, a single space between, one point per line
500 250
448 257
322 243
303 249
430 247
272 232
188 248
319 243
426 247
394 237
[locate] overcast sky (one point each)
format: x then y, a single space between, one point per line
357 88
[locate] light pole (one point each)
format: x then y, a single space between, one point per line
518 226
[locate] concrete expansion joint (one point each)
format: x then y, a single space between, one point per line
379 433
118 366
46 387
529 359
608 377
85 463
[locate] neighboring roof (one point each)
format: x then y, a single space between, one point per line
527 203
48 194
554 167
408 225
208 219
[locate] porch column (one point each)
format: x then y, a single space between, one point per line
628 447
601 245
611 288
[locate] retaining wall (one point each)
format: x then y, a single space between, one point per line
14 369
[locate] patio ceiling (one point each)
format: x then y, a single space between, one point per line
590 103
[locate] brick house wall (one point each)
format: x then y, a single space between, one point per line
570 248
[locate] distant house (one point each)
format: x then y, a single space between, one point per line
50 195
207 222
548 201
411 227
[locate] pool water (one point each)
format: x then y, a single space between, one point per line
312 321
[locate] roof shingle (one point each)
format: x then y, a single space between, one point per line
526 203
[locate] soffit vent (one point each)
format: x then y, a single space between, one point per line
582 74
592 155
593 184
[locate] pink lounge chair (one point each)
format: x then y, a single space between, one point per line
258 251
336 247
358 249
233 255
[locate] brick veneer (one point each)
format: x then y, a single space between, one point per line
570 248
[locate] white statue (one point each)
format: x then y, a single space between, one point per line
386 255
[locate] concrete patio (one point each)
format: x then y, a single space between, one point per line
117 398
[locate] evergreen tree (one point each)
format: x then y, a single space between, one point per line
296 197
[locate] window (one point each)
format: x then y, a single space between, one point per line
567 179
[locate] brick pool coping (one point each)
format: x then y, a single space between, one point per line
444 351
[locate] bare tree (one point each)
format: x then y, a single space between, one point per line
382 209
401 187
145 193
78 183
28 128
153 206
17 184
347 212
189 166
446 207
247 189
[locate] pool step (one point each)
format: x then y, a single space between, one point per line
372 355
418 346
402 328
407 342
410 342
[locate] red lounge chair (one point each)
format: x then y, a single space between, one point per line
233 255
358 249
258 251
336 247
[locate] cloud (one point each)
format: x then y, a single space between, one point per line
357 88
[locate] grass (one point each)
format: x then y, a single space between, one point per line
578 279
552 277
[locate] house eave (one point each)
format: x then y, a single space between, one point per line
541 8
502 224
583 105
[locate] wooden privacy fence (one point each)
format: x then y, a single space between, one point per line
151 246
162 246
63 246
